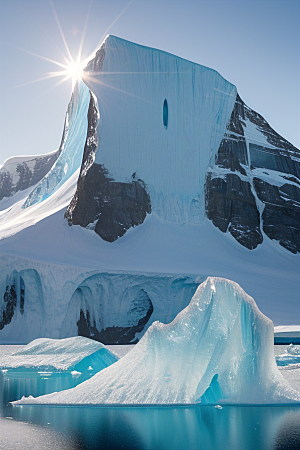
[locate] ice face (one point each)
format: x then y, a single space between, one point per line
109 307
219 349
160 102
72 147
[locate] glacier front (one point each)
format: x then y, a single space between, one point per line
219 349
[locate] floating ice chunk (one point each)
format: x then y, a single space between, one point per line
59 355
293 350
291 356
219 349
52 365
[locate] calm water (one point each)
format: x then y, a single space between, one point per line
149 428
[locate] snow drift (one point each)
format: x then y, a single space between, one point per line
219 349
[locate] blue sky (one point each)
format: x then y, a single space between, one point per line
252 43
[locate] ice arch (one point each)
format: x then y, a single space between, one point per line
99 309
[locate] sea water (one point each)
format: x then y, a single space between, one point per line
149 428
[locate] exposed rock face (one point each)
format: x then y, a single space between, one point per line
116 334
231 207
21 173
253 187
100 203
14 292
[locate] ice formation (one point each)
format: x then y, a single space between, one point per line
60 355
291 356
71 149
173 210
219 349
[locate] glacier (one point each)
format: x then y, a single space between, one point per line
218 350
112 307
163 173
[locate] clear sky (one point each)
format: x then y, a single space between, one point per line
254 44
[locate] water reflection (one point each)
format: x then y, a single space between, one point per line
151 428
15 384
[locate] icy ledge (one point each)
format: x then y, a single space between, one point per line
219 349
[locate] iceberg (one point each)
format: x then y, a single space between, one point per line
50 365
219 349
58 355
291 356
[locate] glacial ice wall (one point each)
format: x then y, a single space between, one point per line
219 349
105 306
162 118
72 146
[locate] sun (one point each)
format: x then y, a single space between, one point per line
74 70
70 69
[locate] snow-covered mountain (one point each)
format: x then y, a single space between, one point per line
163 177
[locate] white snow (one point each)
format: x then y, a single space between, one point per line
287 331
56 354
219 349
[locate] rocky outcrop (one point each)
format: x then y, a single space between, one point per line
244 194
231 207
115 334
108 207
18 174
14 296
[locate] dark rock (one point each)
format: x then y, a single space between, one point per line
230 199
112 207
10 303
27 177
231 206
232 154
272 137
272 159
114 334
237 119
281 215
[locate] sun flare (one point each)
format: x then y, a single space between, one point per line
74 70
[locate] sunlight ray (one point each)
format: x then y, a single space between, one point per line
84 30
60 29
37 55
109 28
47 77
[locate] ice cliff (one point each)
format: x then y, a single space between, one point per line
219 349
